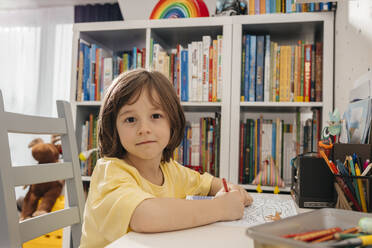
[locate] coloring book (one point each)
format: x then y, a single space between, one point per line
265 208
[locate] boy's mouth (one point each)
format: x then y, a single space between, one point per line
145 142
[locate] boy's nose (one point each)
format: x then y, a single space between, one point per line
144 128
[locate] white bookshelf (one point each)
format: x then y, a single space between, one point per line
285 29
123 35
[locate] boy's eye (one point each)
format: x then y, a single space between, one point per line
130 119
156 116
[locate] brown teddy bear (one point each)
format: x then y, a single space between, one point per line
49 191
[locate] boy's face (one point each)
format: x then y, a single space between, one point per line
143 129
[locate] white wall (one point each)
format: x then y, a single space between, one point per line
130 8
353 48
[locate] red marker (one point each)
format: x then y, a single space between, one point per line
225 185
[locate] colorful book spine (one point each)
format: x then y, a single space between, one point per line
210 75
291 72
302 76
297 73
214 76
272 6
247 151
242 85
307 72
206 45
184 76
312 85
318 71
80 67
256 7
267 69
252 68
259 92
268 7
262 6
247 68
219 67
241 152
251 7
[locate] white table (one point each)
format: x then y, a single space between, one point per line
214 235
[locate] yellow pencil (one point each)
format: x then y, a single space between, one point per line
360 187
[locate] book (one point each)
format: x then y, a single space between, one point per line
267 68
307 72
184 75
259 91
252 68
358 119
247 67
206 45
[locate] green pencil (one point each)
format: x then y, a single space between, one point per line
362 240
341 236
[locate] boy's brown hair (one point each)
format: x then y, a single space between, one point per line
126 89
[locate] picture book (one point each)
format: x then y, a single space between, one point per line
358 119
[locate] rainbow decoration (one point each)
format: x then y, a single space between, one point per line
179 9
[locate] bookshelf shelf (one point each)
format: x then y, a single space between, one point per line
286 29
85 178
282 104
265 188
89 103
285 107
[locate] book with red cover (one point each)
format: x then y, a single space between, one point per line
307 72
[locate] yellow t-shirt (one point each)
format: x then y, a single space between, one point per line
117 188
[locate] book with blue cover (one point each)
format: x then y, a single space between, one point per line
260 69
184 76
247 67
252 68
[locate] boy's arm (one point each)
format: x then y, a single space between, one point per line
215 186
169 214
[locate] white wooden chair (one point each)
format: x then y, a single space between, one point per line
12 232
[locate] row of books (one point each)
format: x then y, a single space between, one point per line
261 138
200 147
285 73
89 141
258 7
96 68
195 71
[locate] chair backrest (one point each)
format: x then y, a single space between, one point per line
12 231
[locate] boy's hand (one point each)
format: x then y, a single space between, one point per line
230 204
245 196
